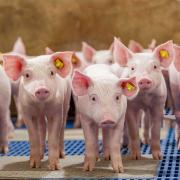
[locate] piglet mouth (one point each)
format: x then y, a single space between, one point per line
107 123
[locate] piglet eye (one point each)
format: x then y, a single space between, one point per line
93 98
118 98
52 73
155 67
27 75
132 68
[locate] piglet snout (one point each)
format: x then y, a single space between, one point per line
107 122
145 83
42 93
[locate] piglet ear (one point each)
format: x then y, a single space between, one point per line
129 87
121 53
62 62
88 51
152 45
80 83
19 46
135 46
75 60
165 53
13 65
48 51
177 57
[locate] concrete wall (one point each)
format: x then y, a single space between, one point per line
63 24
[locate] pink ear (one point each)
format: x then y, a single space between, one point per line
152 45
121 53
88 51
19 46
177 57
13 65
165 53
129 86
75 60
80 83
48 51
135 46
62 62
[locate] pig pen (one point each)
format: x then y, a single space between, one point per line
63 25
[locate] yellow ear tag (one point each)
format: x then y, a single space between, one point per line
164 54
130 87
1 63
74 60
59 63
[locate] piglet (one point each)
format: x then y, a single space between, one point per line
174 77
146 67
93 56
44 94
5 121
98 90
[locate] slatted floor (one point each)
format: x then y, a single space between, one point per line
169 167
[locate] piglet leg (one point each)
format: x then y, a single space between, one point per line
4 117
32 126
91 142
156 121
116 135
133 130
54 129
145 128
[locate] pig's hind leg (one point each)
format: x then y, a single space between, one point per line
4 118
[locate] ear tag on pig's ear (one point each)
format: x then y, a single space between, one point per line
164 54
128 86
58 63
74 59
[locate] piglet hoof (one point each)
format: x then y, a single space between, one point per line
61 155
35 162
117 165
4 149
157 154
89 163
54 165
136 155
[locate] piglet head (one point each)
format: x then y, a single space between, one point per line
39 75
146 67
100 97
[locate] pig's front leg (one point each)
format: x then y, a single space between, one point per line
33 132
55 124
4 132
145 128
90 133
133 130
64 117
116 135
156 115
106 143
42 135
